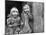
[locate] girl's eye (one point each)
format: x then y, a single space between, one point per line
13 11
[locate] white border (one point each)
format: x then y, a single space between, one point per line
2 17
29 0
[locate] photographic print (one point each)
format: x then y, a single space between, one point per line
23 17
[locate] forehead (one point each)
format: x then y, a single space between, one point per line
14 9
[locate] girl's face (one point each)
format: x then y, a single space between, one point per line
14 11
26 8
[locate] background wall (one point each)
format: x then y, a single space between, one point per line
38 13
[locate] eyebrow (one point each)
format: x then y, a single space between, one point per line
15 11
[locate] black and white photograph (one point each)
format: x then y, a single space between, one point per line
23 17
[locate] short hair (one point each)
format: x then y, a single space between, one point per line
26 6
14 9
